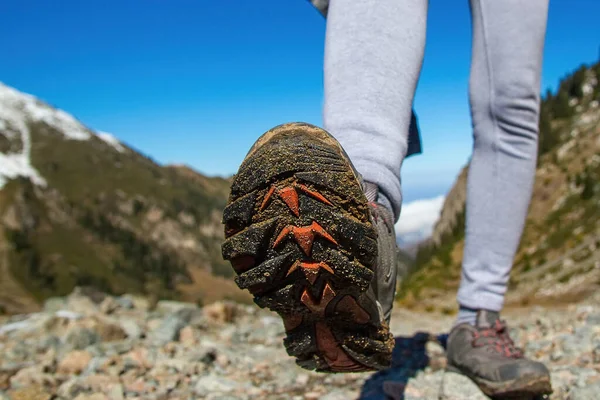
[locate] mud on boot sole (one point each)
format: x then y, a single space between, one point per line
299 236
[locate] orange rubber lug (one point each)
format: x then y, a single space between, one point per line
267 198
318 307
290 197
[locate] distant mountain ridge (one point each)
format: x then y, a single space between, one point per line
559 256
78 207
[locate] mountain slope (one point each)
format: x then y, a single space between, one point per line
78 207
559 257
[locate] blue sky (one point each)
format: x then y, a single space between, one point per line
196 82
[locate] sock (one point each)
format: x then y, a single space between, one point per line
384 201
373 194
466 315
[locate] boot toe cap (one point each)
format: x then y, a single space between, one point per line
525 368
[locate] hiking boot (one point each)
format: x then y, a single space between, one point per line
486 354
303 239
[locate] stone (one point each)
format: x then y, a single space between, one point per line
81 304
199 320
139 358
212 383
535 347
220 312
174 364
131 328
312 396
596 355
286 377
30 393
94 365
457 387
98 382
74 362
54 304
49 342
153 324
118 347
593 319
186 336
5 375
557 355
169 328
336 394
80 338
138 386
70 389
109 331
585 333
169 307
589 392
57 326
109 305
115 392
125 302
140 303
302 380
93 396
32 376
206 355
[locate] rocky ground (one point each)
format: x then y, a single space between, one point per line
89 346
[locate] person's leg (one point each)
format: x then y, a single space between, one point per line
508 42
301 229
373 56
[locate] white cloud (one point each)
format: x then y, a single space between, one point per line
418 219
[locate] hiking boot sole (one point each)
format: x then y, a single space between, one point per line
300 239
527 387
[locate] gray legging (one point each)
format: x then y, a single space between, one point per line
373 56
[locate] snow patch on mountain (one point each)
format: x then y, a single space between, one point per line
18 165
111 141
417 220
13 165
17 111
16 106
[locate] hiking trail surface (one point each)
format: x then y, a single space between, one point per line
91 346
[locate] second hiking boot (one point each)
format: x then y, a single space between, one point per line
486 354
303 239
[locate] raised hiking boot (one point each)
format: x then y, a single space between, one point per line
486 354
302 239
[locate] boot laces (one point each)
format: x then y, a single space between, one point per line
496 339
